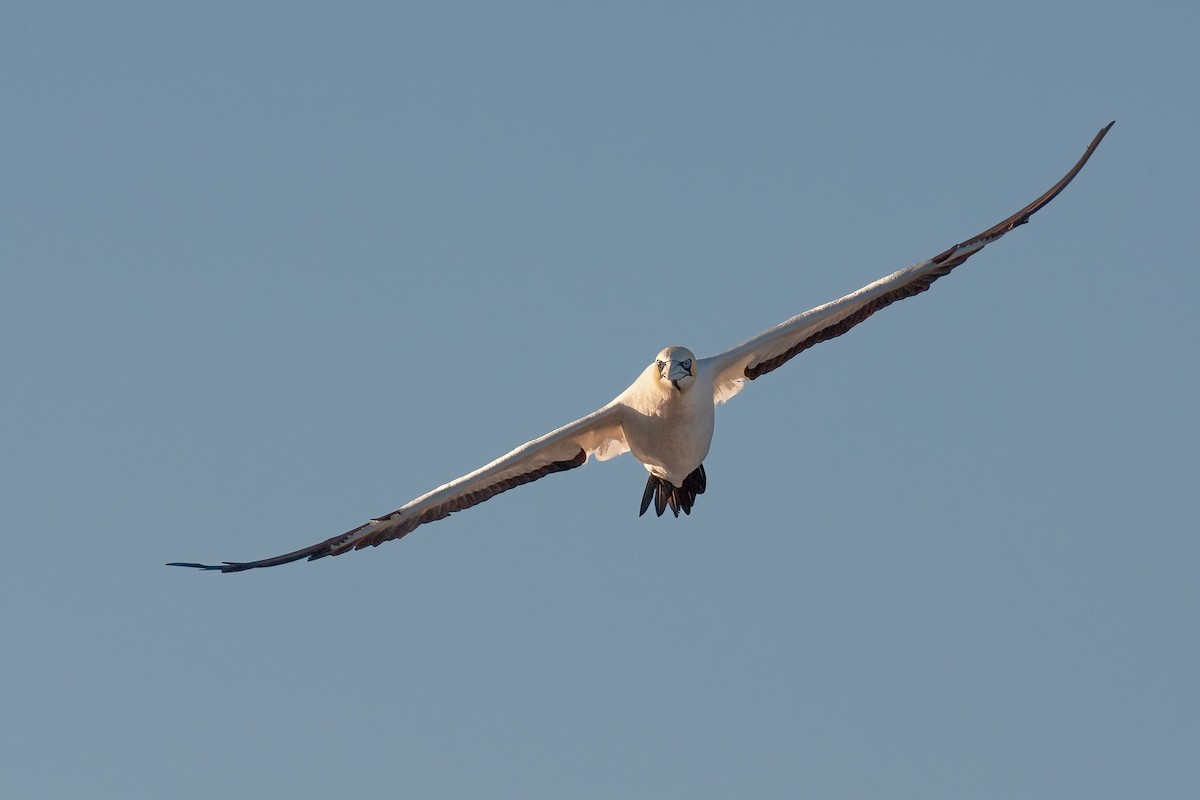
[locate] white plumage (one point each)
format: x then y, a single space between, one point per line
666 417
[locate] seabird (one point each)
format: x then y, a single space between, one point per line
665 418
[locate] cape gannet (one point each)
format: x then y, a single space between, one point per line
666 417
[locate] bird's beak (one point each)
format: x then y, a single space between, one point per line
677 372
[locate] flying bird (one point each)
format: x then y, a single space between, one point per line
665 418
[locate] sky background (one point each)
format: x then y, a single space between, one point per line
272 269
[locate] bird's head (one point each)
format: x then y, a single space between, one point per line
676 366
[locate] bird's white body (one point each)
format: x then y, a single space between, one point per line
666 428
666 417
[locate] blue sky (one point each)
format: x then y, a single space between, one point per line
271 269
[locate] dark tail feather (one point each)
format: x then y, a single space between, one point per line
663 490
678 498
648 495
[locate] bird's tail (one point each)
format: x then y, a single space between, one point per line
679 498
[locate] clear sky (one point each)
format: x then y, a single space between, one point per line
272 269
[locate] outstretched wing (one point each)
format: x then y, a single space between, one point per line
600 434
773 348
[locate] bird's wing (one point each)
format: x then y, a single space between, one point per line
773 348
600 434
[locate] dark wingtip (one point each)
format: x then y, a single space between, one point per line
946 258
321 550
225 566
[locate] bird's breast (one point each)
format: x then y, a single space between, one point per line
671 434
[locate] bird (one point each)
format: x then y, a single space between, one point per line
666 416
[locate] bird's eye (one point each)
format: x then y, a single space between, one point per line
688 365
660 365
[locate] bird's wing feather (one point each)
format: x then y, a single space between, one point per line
600 434
773 348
